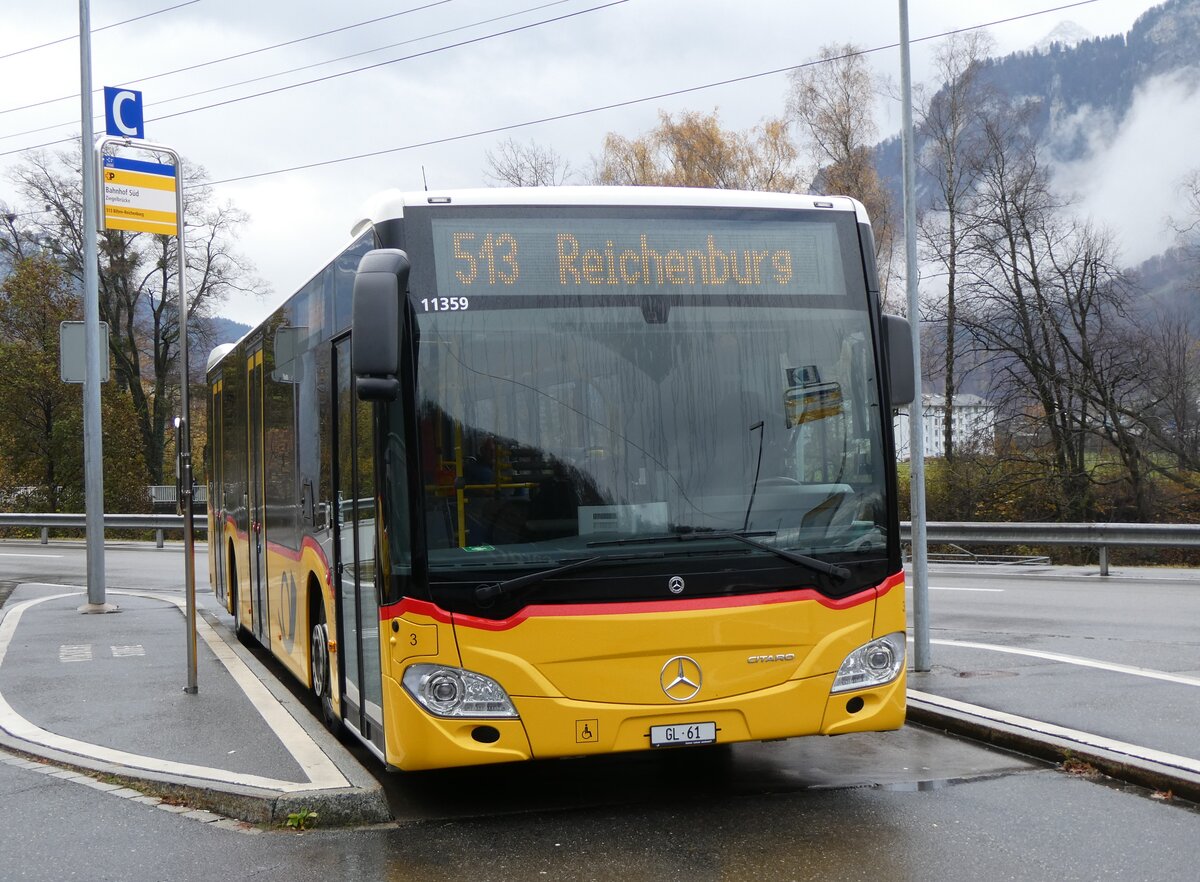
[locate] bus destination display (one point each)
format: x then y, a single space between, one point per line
483 258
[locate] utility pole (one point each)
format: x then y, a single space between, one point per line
93 456
916 421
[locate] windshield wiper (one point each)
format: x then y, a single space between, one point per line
746 537
508 586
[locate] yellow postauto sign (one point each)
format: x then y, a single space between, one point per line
139 196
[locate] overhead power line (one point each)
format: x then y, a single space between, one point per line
344 73
259 79
115 24
411 40
246 54
562 116
632 101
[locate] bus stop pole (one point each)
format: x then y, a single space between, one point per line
916 420
184 445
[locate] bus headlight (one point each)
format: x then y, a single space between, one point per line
454 692
872 664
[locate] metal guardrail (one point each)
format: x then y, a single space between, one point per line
159 523
164 494
1101 536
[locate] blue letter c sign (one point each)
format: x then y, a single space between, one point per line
123 113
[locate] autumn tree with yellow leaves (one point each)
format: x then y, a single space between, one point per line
693 149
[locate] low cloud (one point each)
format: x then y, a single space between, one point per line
1130 180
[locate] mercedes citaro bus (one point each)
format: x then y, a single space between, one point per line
560 472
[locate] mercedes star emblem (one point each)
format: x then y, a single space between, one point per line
680 678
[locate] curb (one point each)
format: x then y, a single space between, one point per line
363 802
337 808
979 724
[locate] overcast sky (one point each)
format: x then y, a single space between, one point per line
596 53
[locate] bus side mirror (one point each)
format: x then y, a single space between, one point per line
380 285
897 344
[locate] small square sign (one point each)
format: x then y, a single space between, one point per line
123 113
72 346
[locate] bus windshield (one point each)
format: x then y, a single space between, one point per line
556 424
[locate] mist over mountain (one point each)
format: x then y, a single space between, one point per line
1117 118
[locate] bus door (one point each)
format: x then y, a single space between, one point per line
215 463
354 552
255 502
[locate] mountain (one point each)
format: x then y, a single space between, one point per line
1091 95
1067 34
227 330
1095 77
1115 116
1169 282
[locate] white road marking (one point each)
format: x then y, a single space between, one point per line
15 554
129 651
321 771
1037 726
75 653
1081 661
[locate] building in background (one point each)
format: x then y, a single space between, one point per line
974 426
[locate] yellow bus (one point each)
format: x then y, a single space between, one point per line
560 472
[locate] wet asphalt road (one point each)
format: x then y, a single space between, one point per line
906 805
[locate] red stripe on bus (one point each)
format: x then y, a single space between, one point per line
294 555
310 542
412 605
642 606
891 582
238 534
284 551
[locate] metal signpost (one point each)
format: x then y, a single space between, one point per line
144 195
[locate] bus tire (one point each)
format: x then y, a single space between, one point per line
231 569
319 670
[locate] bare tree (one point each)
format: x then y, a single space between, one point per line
948 122
832 102
1097 338
1016 311
16 241
1164 414
1050 306
526 165
1187 224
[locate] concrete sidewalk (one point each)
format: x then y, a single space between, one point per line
105 694
1134 724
